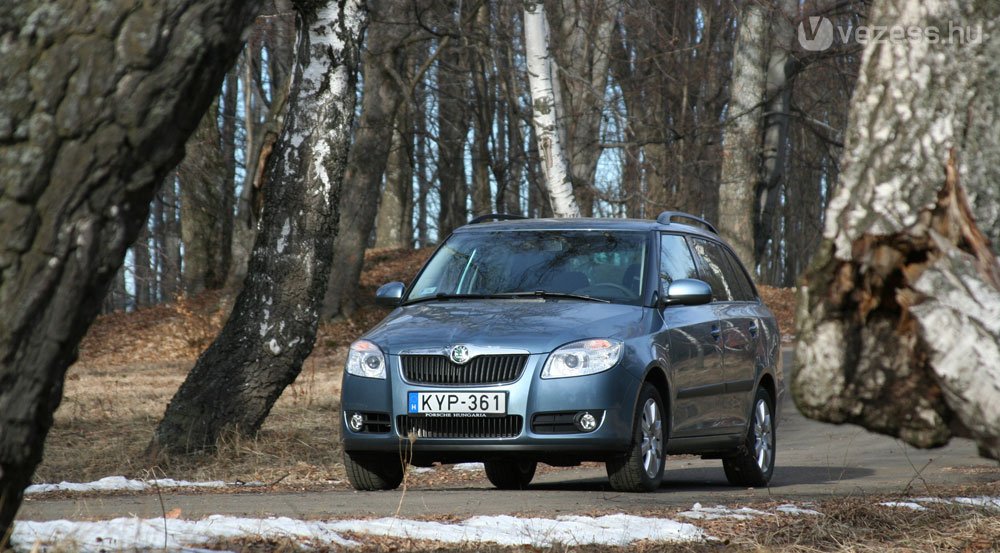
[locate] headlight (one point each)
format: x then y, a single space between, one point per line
584 357
365 359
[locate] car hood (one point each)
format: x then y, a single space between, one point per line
536 325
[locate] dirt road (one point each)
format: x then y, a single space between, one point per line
815 461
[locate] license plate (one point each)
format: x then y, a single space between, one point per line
457 403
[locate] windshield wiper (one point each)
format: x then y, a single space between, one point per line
547 294
506 295
443 297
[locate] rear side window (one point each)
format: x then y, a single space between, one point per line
713 266
743 289
676 261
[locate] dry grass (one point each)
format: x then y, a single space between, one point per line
854 525
131 364
107 419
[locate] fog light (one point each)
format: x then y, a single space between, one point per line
357 422
586 422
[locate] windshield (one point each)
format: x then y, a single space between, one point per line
598 264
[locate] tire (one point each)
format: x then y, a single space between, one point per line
370 473
641 469
510 475
753 464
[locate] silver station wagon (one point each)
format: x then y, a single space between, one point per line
567 340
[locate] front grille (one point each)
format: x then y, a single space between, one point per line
441 371
508 426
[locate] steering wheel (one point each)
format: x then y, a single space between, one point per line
619 287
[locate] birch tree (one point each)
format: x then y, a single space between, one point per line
899 312
742 141
272 328
96 102
545 110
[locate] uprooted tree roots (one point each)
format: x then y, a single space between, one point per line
903 338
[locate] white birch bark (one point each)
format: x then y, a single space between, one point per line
272 327
545 109
898 312
743 133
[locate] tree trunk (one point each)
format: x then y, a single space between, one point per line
546 110
380 98
582 49
453 130
774 150
740 161
170 245
394 228
145 278
202 175
898 311
226 216
263 122
125 84
272 328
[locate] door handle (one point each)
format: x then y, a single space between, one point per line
716 332
753 329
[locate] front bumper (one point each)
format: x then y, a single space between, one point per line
613 392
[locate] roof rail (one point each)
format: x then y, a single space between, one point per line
495 217
667 216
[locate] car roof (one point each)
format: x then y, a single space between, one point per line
585 223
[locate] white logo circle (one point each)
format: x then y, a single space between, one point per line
817 34
459 354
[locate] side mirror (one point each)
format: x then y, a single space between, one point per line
688 291
389 295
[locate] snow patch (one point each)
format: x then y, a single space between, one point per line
468 466
904 505
133 533
274 347
698 512
790 509
119 483
982 501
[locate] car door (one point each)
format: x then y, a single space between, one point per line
692 337
738 326
740 356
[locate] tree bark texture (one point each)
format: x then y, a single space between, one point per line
899 310
202 176
546 110
453 129
582 48
774 148
740 159
369 154
96 102
272 327
394 226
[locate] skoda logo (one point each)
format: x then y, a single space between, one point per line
459 354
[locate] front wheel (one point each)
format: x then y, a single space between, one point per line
510 475
753 463
641 469
373 472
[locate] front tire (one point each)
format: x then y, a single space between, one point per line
510 475
641 469
753 464
370 472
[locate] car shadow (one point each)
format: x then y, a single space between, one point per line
711 478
